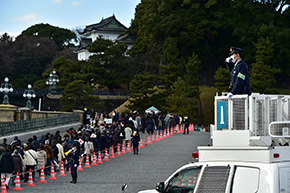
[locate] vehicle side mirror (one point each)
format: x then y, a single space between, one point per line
160 187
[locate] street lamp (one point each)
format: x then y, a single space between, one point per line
6 88
51 81
29 93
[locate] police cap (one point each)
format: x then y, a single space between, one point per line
235 50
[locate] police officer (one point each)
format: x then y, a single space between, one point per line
74 163
240 80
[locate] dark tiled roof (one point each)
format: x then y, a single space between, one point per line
110 24
84 43
127 39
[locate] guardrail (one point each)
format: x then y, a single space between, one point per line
24 126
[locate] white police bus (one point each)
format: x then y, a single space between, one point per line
250 150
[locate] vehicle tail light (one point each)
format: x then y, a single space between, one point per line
195 154
276 155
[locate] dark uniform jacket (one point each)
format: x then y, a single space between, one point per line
240 80
75 157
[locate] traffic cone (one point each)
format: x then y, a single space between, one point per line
42 177
141 143
123 148
106 158
69 170
52 174
128 147
157 136
112 152
168 132
190 181
87 164
99 158
61 172
3 185
183 183
17 183
145 142
80 165
118 150
30 179
153 138
204 129
149 140
194 179
171 133
161 135
94 162
164 134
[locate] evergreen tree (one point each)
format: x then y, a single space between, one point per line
143 92
261 73
107 65
193 67
222 79
77 95
185 95
171 68
62 37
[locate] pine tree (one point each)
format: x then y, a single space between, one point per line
184 98
77 95
222 79
261 73
143 89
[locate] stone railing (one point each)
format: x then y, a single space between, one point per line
15 120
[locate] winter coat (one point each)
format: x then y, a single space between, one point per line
48 151
87 146
103 142
135 138
55 151
60 152
30 157
150 124
74 158
128 133
18 163
7 163
41 158
114 139
96 144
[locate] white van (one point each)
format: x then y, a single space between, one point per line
250 150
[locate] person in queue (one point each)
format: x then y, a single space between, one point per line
7 167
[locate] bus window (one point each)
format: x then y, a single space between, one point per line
246 179
184 181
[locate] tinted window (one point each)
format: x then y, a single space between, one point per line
184 181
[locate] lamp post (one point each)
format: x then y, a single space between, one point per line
29 93
6 88
51 81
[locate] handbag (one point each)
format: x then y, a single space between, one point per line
91 150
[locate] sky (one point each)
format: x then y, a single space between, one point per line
18 15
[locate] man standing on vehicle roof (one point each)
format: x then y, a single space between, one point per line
240 80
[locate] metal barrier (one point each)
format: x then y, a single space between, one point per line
29 125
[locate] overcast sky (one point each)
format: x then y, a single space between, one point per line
18 15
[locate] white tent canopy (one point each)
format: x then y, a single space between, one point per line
152 109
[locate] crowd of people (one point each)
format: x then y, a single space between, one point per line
93 136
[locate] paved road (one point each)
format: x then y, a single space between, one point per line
154 163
